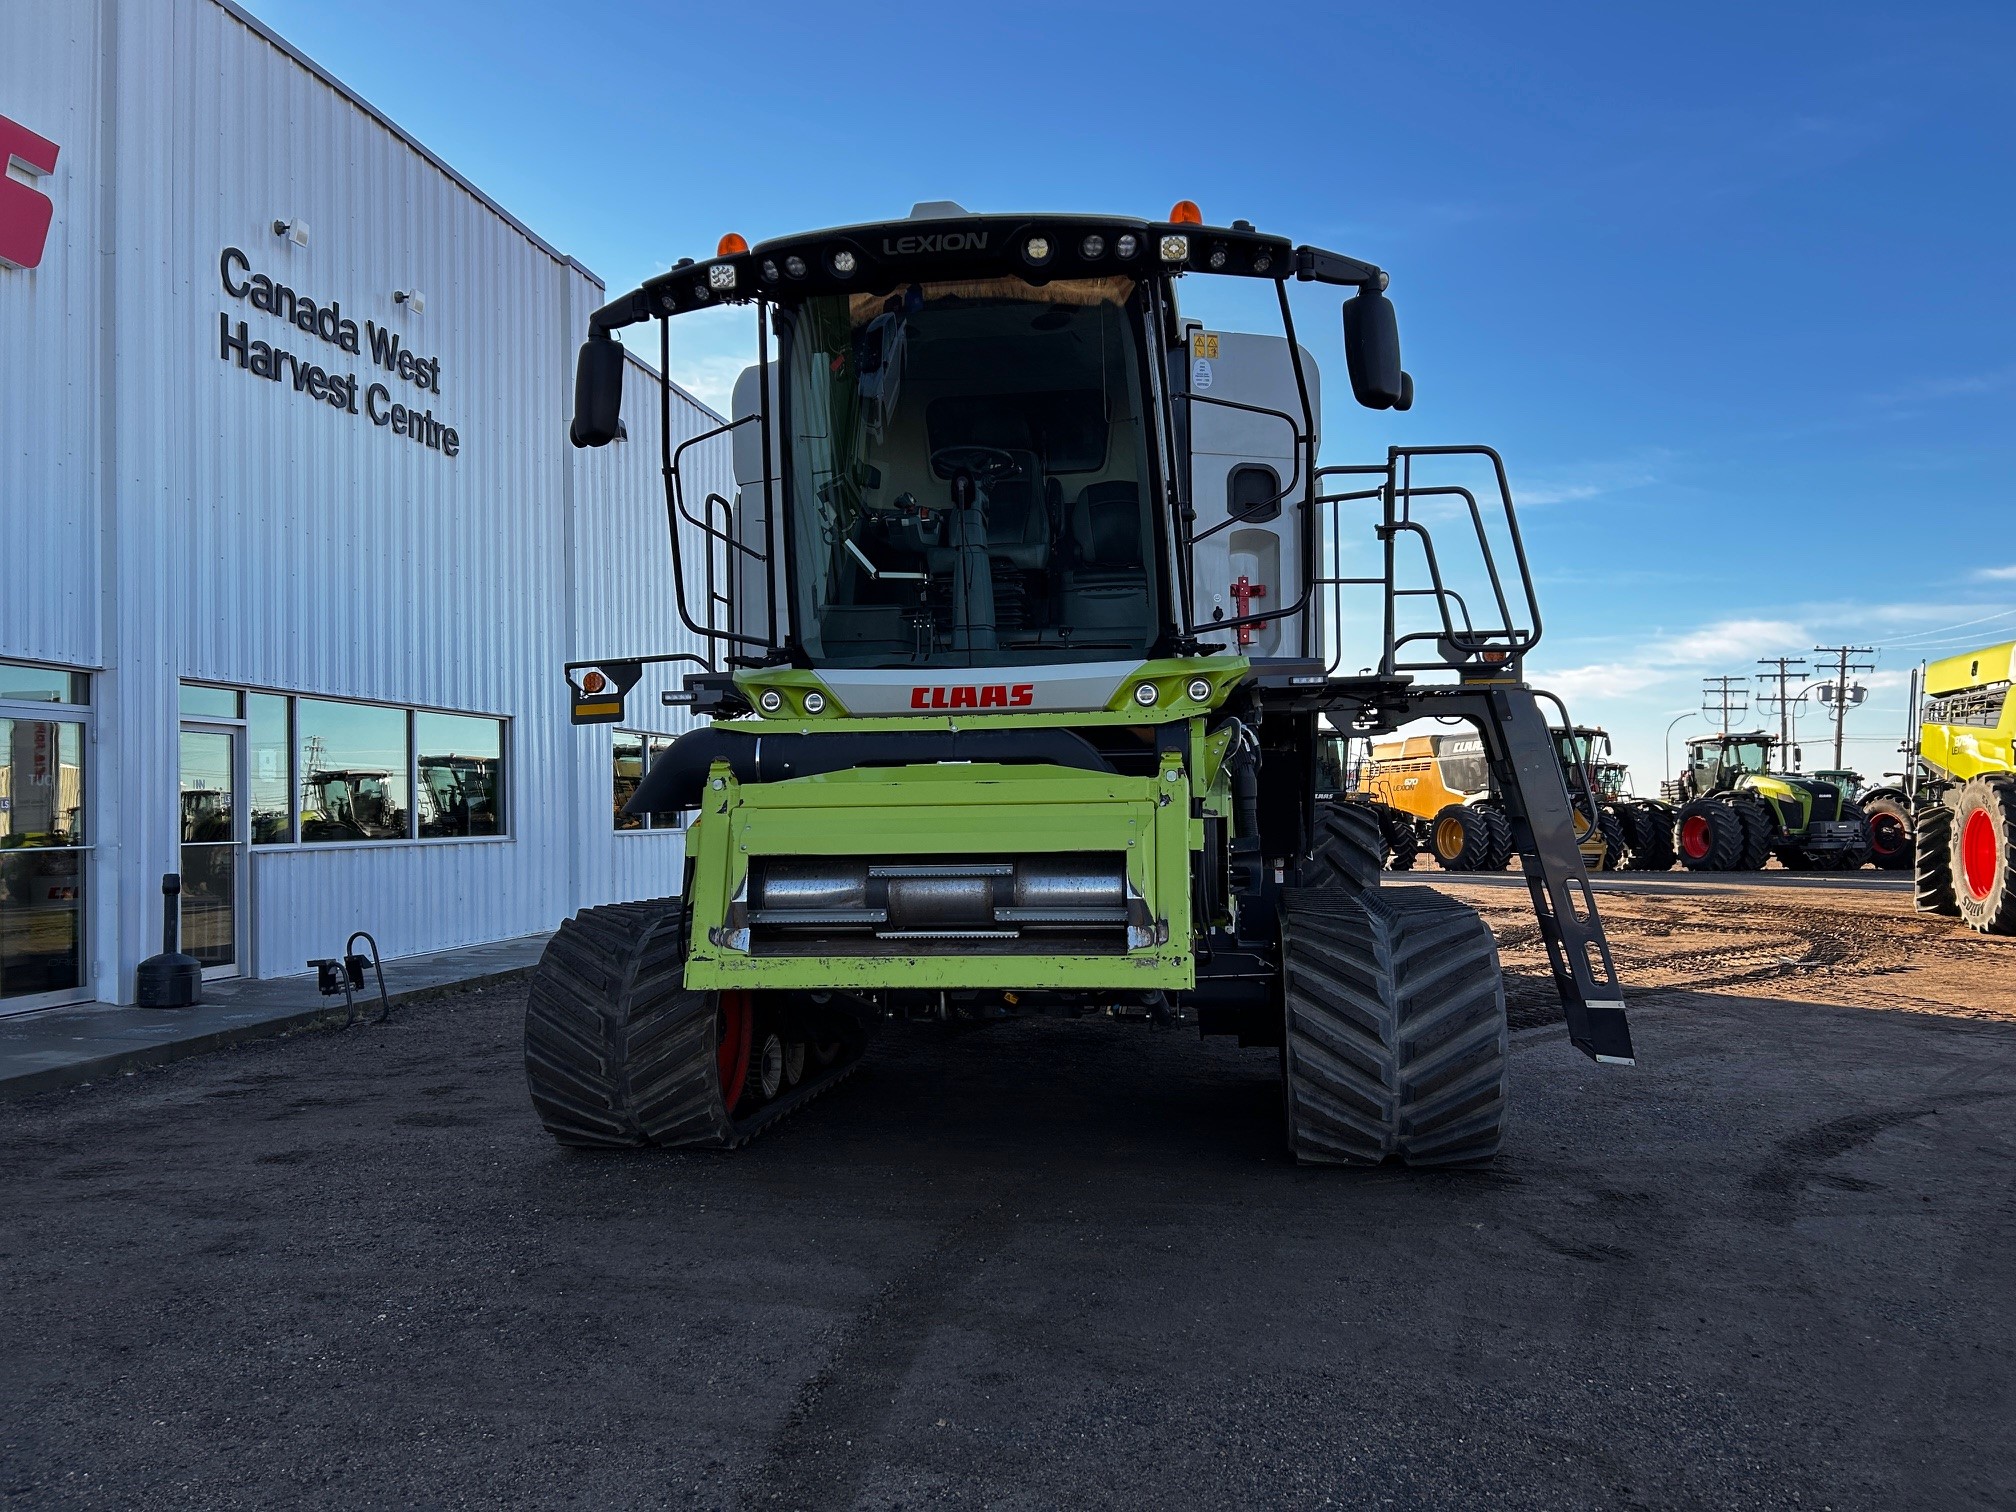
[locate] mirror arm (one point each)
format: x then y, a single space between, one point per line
630 309
1313 264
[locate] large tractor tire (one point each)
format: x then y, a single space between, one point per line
1984 854
1616 844
1500 854
1652 843
620 1054
1464 838
1403 841
1712 836
1758 831
1856 856
1889 834
1395 1041
1932 863
1350 848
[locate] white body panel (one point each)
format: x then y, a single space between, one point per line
168 514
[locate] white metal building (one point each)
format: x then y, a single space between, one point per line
292 543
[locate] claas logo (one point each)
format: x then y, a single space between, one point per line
975 696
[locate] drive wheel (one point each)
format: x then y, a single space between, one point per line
1500 853
1615 842
1711 836
1652 850
1984 854
1349 848
1757 827
1932 863
1461 838
1856 856
619 1053
1403 842
1395 1039
1889 834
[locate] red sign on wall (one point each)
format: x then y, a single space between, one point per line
25 211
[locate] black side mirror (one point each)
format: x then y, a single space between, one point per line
1372 352
598 392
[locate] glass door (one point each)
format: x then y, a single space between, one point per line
213 850
42 863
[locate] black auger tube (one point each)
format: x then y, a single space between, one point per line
679 777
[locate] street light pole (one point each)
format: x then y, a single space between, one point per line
1666 748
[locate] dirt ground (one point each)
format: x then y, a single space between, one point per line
1061 1264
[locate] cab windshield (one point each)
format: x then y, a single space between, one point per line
968 477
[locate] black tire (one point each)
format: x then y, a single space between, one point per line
1857 855
1983 849
617 1052
1395 1041
1349 849
1889 834
1461 837
1711 836
1757 833
1403 841
1932 861
1500 853
1615 843
1652 850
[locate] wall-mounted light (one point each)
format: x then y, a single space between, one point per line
413 299
295 231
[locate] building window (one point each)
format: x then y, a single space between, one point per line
634 754
461 767
268 750
354 766
200 702
22 683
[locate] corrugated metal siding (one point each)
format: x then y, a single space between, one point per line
252 535
49 320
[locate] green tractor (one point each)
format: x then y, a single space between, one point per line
1736 812
1637 832
1887 806
1021 629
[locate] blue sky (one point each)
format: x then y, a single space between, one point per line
1728 285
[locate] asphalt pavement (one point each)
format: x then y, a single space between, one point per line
1053 1264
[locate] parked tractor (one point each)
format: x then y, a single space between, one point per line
1887 806
1736 811
1018 645
1965 811
1637 833
1441 786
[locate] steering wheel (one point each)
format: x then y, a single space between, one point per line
985 463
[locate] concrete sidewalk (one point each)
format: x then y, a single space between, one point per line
63 1047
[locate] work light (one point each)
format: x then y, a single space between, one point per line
1175 249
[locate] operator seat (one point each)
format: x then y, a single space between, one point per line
1106 584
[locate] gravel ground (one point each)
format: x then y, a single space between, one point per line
1045 1265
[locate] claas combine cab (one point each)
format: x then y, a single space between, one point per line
1965 808
1018 633
1736 811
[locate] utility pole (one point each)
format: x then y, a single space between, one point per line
1786 669
1722 697
1840 688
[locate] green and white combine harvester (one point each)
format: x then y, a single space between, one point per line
1017 636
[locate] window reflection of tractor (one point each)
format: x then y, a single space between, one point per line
458 795
1736 812
1966 793
1637 832
350 805
206 815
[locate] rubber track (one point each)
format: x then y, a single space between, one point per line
1349 849
1932 862
619 1054
1396 1041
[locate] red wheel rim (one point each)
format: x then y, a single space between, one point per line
1887 835
1694 838
734 1022
1979 854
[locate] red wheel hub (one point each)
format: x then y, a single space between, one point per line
1694 837
1887 835
734 1032
1980 856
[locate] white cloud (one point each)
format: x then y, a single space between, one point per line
1726 640
1997 574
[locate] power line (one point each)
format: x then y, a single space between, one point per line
1786 669
1843 666
1722 697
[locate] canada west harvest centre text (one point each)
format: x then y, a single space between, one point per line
340 391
